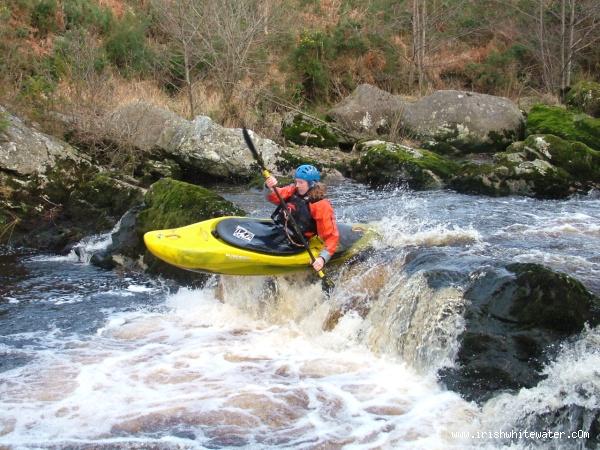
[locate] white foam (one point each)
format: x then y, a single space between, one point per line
210 368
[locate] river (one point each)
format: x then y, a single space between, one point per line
109 359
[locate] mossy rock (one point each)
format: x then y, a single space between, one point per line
107 194
442 148
153 170
171 204
481 179
287 162
565 124
458 137
551 300
580 161
386 163
585 96
303 130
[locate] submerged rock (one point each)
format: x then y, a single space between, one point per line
565 124
513 321
383 163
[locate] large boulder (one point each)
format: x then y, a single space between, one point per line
367 111
565 124
544 166
469 121
513 320
585 96
384 163
203 148
26 151
50 194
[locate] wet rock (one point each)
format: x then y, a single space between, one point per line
383 163
585 96
304 130
565 124
514 321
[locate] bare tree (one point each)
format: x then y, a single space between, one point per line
564 31
177 20
231 33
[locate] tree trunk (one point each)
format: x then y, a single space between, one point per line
563 38
188 81
570 46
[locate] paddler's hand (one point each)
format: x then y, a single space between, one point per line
318 264
271 182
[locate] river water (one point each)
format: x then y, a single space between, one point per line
108 359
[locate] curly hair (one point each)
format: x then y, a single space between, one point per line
317 192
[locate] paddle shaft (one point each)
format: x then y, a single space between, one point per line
283 203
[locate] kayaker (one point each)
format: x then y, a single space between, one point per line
312 211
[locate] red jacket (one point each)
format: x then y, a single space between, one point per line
322 212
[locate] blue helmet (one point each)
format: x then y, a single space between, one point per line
308 173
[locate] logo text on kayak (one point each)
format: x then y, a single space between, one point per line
242 233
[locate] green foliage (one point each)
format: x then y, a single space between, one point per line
585 96
4 122
87 14
498 70
36 88
348 37
565 124
309 60
43 16
126 46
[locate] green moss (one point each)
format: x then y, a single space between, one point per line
106 193
576 158
4 122
585 97
565 124
170 204
304 132
386 163
288 161
480 179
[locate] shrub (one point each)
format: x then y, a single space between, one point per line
87 14
126 46
43 16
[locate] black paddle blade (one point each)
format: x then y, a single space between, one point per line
252 148
327 285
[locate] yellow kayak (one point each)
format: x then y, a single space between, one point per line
245 246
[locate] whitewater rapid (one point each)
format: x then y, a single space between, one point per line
104 359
